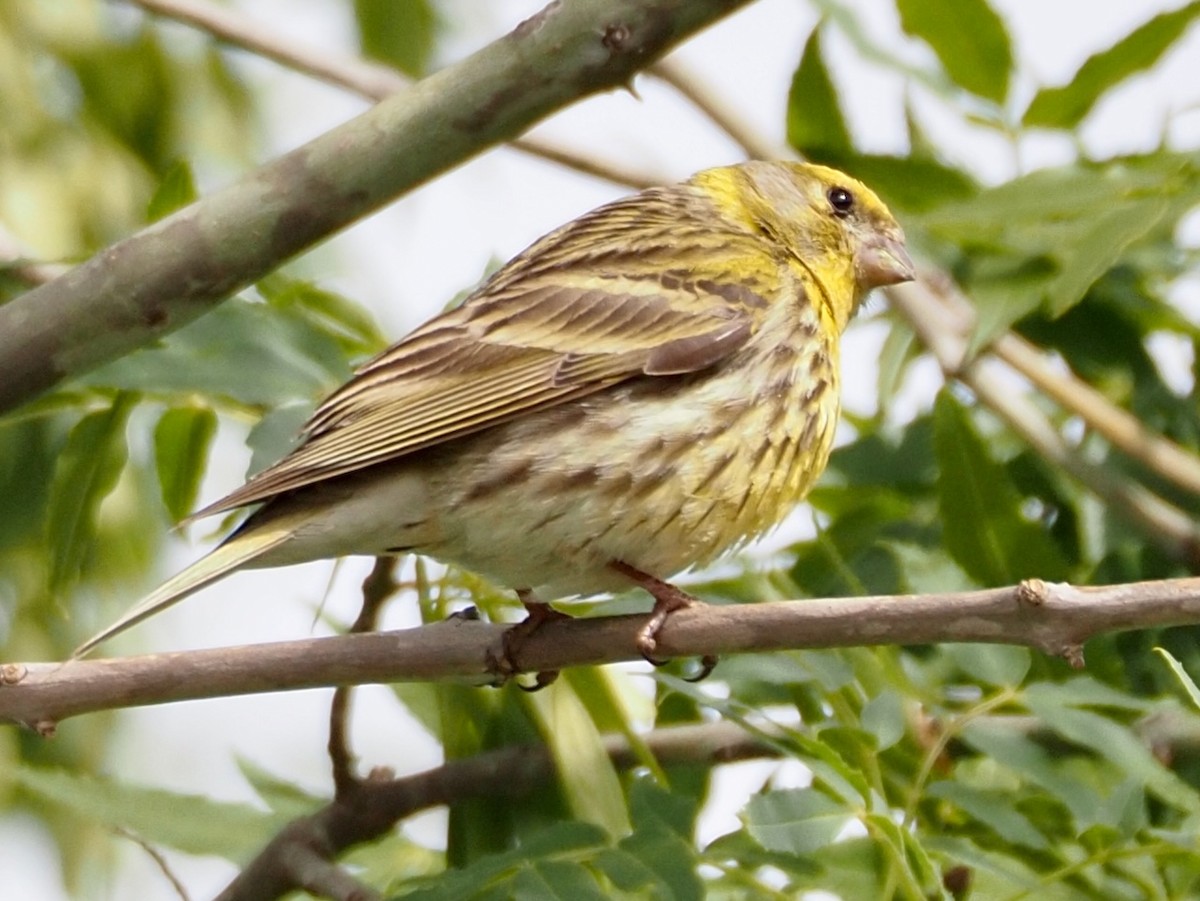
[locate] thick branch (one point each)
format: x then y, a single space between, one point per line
1054 618
370 79
373 807
173 271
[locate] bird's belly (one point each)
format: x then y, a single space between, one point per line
660 479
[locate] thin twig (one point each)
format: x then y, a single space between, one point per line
934 323
377 587
371 80
1119 427
159 860
1056 619
716 111
375 806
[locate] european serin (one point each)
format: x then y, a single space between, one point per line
638 392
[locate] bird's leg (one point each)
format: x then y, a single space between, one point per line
503 663
667 599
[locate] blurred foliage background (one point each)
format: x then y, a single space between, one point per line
922 772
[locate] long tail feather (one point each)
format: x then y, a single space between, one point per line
235 553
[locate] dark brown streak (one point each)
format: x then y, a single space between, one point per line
739 295
580 478
484 487
722 465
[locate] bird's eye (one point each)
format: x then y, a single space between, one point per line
841 200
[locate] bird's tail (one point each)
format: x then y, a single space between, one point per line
236 552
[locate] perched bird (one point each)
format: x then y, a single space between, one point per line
636 393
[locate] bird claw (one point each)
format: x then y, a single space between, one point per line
708 663
502 661
667 599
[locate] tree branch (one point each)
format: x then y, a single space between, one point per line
944 330
716 111
369 79
378 586
1055 618
168 274
1119 427
375 806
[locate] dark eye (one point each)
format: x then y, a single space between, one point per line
841 200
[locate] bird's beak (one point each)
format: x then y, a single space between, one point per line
883 260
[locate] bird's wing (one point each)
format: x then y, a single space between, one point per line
524 341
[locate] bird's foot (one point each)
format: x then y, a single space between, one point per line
667 599
502 661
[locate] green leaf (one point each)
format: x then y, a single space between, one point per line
585 771
1113 742
1181 674
992 664
232 831
1085 691
844 780
1048 237
853 868
627 872
181 442
420 699
670 857
177 189
286 799
555 880
491 875
907 183
653 807
883 717
1031 763
969 39
997 874
1096 245
900 348
926 570
276 433
993 809
982 524
815 125
399 32
916 869
250 353
1005 289
348 323
851 25
85 473
795 821
1066 106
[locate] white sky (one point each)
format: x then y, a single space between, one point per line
410 259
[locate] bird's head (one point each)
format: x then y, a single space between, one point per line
829 223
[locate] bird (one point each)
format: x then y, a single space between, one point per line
644 389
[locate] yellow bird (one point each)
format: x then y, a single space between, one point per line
635 394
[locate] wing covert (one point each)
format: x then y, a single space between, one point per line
528 339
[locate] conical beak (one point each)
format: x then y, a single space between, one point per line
883 260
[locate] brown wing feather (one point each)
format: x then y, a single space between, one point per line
524 341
